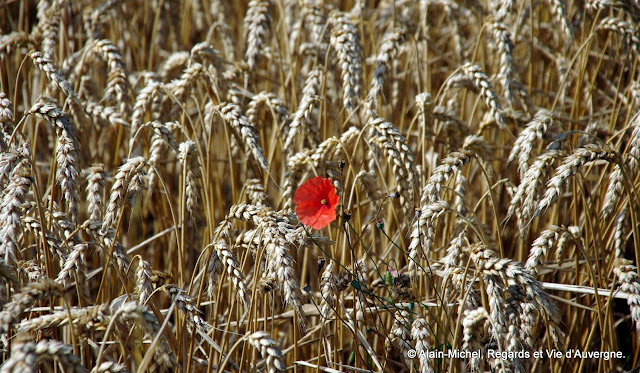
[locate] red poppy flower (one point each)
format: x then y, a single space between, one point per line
316 202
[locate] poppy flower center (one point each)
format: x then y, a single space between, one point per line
323 202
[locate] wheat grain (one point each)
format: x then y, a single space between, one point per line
188 156
507 64
177 61
182 86
25 356
238 121
269 350
420 335
569 234
54 245
49 68
105 115
449 166
98 15
616 178
230 263
76 263
10 159
80 317
569 167
109 367
123 180
473 329
425 222
479 81
118 89
346 42
460 190
619 235
517 331
256 24
541 246
144 99
6 122
510 273
186 304
400 156
161 137
530 188
361 278
391 42
614 191
277 106
627 276
16 39
148 323
67 153
454 252
144 288
217 11
630 7
280 265
400 335
109 241
624 29
328 290
314 20
29 294
524 144
300 119
10 209
95 192
255 193
559 10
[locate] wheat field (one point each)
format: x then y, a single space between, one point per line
486 155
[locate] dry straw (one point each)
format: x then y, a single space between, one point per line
485 157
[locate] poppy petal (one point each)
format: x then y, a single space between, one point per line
305 193
333 198
315 201
312 189
324 218
321 219
308 209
